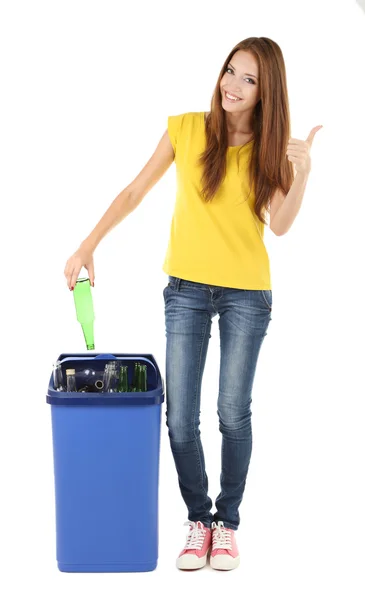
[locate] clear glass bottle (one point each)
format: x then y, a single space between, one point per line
110 377
71 380
58 382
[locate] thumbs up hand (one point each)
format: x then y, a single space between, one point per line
298 151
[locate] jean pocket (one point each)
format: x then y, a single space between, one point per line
267 297
172 282
170 285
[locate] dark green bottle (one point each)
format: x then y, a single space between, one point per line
143 379
123 379
135 379
139 382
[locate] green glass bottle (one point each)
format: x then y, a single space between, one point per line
135 379
85 310
123 379
138 377
143 379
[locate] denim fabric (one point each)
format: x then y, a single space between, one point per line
244 317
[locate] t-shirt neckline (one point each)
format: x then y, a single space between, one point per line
229 147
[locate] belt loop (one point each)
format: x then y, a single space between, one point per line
178 280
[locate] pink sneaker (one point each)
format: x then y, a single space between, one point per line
198 540
224 554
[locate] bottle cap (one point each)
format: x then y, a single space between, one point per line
70 371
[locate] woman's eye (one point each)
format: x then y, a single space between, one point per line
249 78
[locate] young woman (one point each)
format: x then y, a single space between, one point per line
233 164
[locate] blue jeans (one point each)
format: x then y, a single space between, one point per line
244 317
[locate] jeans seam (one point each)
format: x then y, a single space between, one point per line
265 300
194 410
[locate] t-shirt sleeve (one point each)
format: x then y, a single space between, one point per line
173 128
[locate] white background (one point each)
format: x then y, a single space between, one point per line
86 91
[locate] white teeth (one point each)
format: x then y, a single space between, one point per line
232 97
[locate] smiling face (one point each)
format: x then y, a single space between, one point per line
241 79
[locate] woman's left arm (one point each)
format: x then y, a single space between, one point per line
298 152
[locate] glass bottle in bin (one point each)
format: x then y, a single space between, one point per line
143 379
123 379
58 381
135 378
87 376
71 380
85 310
86 388
110 377
139 381
98 385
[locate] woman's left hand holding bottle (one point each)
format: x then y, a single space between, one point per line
83 257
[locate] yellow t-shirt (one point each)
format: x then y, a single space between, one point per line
219 242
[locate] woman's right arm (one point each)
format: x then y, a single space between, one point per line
122 205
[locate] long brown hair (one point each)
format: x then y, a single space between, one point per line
269 167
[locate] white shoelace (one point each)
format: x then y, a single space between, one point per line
195 536
221 537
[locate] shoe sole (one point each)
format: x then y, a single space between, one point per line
224 563
191 561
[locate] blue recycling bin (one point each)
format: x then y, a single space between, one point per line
106 449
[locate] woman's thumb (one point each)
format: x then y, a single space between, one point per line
91 273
